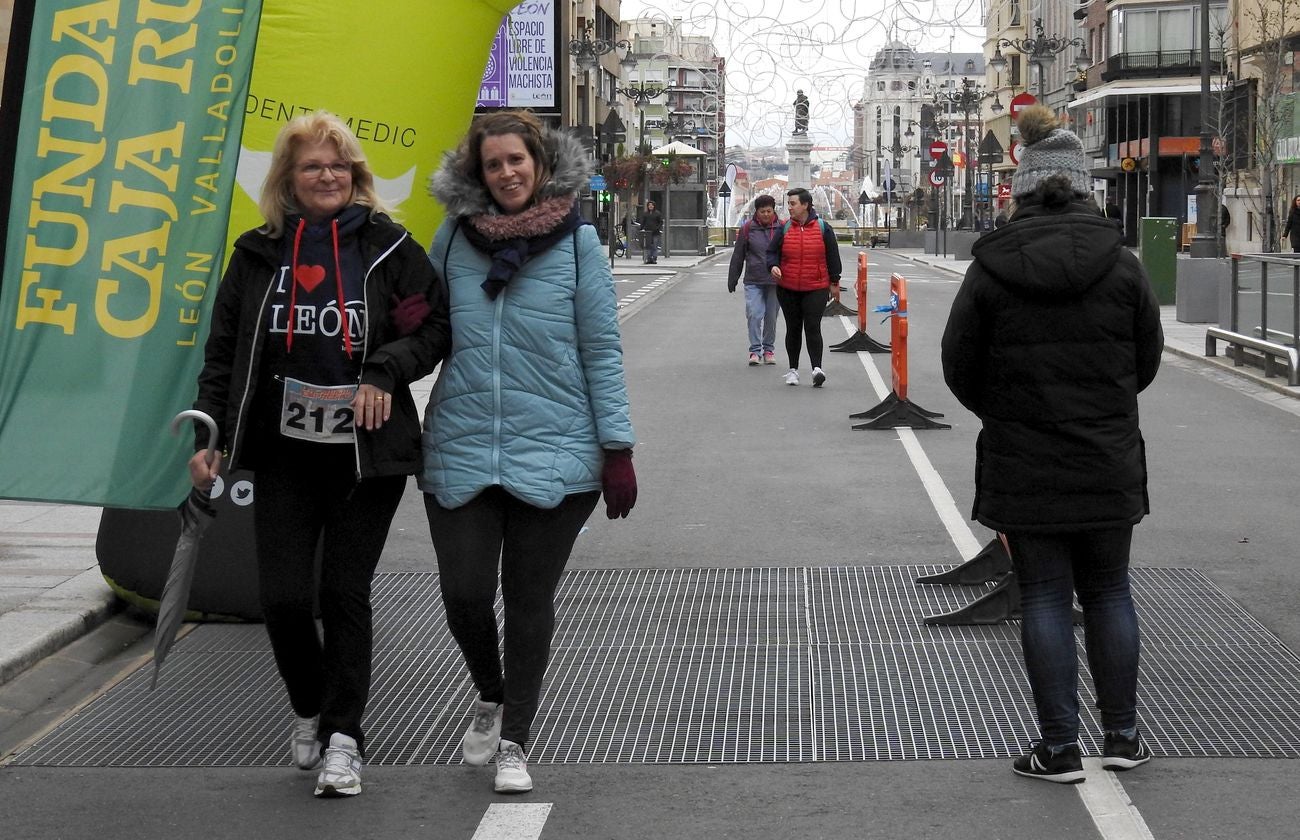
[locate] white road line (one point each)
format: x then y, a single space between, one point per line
513 822
1111 809
1112 812
944 505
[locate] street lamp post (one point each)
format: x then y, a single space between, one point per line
586 52
1041 50
641 93
966 99
1205 243
897 150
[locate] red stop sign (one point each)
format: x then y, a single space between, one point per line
937 148
1020 102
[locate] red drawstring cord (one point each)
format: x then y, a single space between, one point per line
338 276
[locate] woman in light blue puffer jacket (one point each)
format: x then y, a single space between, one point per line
529 420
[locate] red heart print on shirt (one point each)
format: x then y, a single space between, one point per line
309 276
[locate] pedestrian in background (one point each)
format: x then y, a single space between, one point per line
1115 215
324 317
805 260
749 257
652 228
1053 333
529 419
1292 228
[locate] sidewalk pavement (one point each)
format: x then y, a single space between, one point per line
52 592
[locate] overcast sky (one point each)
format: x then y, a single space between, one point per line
774 47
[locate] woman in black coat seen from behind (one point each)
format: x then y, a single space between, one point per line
1052 335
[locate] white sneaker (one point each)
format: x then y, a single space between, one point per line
792 377
819 376
341 775
303 744
483 735
512 769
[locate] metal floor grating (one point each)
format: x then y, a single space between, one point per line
718 665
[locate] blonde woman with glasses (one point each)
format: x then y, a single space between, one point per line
324 316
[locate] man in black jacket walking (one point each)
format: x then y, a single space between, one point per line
652 227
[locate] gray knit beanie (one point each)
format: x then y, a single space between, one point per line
1049 150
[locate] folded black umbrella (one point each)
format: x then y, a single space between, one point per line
196 515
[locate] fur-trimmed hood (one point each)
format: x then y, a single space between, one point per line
570 170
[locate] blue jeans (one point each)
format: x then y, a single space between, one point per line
761 310
1050 568
652 246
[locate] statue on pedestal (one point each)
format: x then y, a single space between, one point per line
800 113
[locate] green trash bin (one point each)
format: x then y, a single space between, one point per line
1158 249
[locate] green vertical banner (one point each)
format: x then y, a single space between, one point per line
115 238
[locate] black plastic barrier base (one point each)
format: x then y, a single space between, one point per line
1001 603
135 549
991 563
893 413
837 308
860 342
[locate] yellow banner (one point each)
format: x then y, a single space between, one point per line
404 74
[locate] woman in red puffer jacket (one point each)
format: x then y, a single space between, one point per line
805 260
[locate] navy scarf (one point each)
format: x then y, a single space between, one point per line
509 255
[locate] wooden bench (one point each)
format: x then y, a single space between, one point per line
1270 350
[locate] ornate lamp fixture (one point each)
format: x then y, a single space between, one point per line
1041 50
586 51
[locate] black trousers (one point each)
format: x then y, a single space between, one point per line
532 546
307 494
803 317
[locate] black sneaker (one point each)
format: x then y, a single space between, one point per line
1065 766
1120 753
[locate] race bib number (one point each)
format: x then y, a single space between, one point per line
319 413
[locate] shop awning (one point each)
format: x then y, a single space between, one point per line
1146 87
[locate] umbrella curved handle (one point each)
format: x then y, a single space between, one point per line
202 416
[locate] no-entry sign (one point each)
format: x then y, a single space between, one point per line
937 148
1020 102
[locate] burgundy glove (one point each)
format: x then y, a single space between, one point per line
618 480
408 314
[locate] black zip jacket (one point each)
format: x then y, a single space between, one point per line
395 266
1052 335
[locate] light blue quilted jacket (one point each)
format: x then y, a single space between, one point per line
533 388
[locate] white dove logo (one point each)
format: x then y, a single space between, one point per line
250 174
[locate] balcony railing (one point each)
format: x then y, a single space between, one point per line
1162 63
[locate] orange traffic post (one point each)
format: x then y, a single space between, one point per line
861 287
860 342
896 410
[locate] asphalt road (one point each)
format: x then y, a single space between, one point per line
737 470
